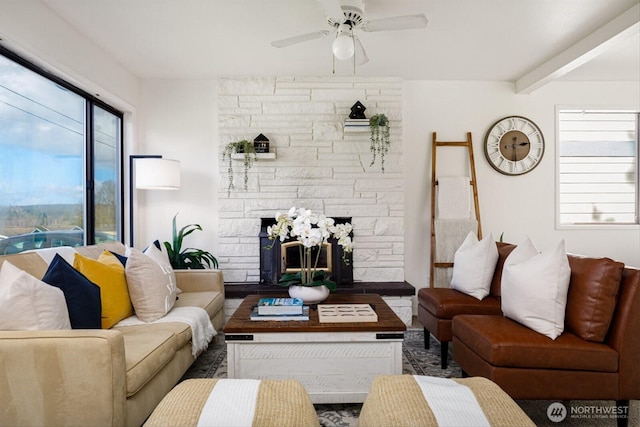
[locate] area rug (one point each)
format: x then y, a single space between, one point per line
419 361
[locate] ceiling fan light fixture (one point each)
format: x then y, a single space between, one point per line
343 46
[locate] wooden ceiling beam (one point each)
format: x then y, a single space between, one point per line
624 26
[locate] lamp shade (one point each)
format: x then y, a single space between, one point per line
157 174
343 47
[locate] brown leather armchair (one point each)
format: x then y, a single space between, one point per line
438 306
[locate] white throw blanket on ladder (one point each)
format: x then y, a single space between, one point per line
452 223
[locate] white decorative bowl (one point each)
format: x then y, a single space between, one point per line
309 294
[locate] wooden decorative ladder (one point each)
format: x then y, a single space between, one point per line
474 186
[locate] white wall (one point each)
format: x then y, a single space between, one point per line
516 206
178 119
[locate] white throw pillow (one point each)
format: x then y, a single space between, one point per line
535 286
47 254
150 287
162 258
27 303
473 265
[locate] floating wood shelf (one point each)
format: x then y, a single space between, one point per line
357 129
259 156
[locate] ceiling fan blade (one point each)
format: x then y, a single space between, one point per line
332 9
408 22
300 39
360 54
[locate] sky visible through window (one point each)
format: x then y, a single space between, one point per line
43 153
41 139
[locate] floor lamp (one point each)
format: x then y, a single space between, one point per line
150 172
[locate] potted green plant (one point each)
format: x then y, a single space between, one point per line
239 147
188 258
380 142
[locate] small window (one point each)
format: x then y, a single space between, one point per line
598 175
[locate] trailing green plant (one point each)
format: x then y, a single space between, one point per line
380 141
188 258
239 147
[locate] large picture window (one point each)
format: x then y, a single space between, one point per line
598 167
61 162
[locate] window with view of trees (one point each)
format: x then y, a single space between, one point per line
598 167
61 162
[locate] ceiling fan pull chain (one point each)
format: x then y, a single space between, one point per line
334 63
353 40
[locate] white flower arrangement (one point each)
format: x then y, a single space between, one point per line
311 230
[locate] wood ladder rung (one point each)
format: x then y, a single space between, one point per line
452 144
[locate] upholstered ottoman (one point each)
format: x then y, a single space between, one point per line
235 402
419 401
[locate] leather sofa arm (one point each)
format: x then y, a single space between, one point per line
67 377
200 280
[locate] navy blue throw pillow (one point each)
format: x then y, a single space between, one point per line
121 258
82 295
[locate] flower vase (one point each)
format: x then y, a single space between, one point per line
309 294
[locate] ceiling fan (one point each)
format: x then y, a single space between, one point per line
347 16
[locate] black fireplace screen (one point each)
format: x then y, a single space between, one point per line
292 263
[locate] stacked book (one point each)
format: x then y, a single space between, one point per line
356 125
280 309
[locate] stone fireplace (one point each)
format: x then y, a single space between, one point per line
318 164
278 258
315 163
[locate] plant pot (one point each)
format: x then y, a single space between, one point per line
309 294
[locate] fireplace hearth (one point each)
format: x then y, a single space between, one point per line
283 257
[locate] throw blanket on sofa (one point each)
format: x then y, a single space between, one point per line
202 330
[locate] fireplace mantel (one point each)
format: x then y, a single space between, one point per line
241 290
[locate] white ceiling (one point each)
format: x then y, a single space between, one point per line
501 40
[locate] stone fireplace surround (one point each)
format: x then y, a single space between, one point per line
315 164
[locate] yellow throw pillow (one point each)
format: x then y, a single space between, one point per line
108 273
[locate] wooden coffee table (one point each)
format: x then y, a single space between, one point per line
336 362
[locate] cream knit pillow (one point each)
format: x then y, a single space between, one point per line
150 287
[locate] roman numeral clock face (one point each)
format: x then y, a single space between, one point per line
514 145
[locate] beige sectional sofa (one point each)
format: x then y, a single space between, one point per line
99 377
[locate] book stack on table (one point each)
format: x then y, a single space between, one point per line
280 309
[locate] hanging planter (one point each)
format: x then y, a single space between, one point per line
379 138
239 147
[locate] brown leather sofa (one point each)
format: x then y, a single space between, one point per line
596 357
438 306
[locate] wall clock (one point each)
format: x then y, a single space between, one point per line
514 145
